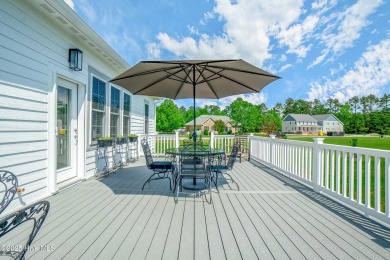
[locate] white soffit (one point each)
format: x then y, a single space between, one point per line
67 18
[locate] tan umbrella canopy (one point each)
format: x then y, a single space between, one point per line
212 79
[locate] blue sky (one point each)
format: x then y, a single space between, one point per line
322 49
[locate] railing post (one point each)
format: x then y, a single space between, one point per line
271 150
316 178
212 139
177 141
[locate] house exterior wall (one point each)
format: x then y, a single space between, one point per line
332 126
33 56
331 123
209 125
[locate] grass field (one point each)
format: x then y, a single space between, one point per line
363 141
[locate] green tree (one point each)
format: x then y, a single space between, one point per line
270 122
169 117
355 106
244 115
317 108
333 105
219 126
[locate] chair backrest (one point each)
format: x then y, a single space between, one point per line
36 213
242 141
147 152
233 155
10 182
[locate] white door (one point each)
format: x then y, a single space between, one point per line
66 130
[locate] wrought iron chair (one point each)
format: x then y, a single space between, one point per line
218 168
192 166
34 214
10 182
161 169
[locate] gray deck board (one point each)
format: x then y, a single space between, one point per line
269 217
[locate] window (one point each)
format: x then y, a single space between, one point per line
126 114
146 131
206 127
114 116
98 108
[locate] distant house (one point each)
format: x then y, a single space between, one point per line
206 122
306 124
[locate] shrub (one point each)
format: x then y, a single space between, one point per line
354 142
206 132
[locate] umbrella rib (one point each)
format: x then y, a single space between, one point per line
235 81
164 78
245 71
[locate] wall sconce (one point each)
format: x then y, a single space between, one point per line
75 59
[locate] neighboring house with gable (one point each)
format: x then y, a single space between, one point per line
52 113
206 122
311 124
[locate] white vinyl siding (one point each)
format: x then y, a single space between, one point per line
24 138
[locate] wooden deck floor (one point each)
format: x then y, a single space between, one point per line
270 217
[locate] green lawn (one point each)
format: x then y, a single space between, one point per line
363 141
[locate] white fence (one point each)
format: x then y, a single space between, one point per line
358 177
159 143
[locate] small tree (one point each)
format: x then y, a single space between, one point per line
219 126
269 127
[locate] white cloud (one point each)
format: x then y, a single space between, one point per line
355 18
88 10
343 29
285 67
70 3
368 75
295 36
153 50
248 28
319 59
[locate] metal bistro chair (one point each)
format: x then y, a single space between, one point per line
218 168
192 166
160 169
34 215
10 182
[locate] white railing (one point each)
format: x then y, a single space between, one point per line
358 177
159 143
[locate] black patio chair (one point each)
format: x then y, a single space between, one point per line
217 168
193 167
161 169
10 183
34 215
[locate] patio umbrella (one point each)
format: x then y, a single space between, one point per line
180 79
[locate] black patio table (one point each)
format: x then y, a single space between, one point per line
196 153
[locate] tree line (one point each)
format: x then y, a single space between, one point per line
360 115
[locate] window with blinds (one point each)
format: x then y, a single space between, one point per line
98 108
126 114
114 116
146 131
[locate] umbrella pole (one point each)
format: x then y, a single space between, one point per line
193 92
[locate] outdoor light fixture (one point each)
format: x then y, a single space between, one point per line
75 59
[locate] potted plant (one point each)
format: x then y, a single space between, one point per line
121 140
105 141
133 138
